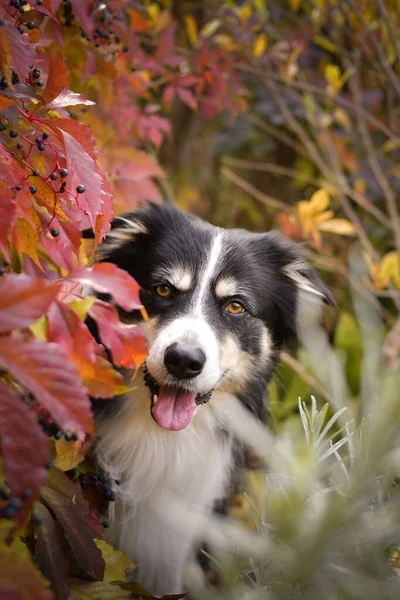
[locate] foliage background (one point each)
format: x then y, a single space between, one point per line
256 114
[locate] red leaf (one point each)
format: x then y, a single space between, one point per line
23 299
187 97
73 519
109 279
24 448
46 371
19 578
16 50
82 171
126 342
50 553
68 98
57 80
66 328
82 10
81 132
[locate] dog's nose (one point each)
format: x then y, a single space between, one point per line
184 363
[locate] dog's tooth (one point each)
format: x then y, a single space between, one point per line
155 398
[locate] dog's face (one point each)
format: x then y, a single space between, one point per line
221 303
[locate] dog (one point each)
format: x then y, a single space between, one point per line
221 304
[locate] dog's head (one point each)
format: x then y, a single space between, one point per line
221 303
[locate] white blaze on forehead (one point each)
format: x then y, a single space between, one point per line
208 271
227 286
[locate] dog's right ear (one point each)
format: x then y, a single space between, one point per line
124 230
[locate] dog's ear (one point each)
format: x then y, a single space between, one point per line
124 230
301 294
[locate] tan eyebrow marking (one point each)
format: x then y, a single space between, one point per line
226 286
180 278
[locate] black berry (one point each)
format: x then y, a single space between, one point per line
2 271
13 133
53 176
41 147
33 189
58 434
112 496
63 172
20 29
55 233
35 173
36 519
6 263
31 25
15 503
83 484
38 140
105 524
74 437
45 135
20 146
68 435
18 188
27 493
80 189
48 464
39 2
9 512
3 127
40 84
36 73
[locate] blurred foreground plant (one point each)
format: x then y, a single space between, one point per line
326 517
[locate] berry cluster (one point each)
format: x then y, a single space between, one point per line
20 24
14 504
96 482
52 430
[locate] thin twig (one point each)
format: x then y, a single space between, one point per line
300 370
254 192
376 169
277 133
388 23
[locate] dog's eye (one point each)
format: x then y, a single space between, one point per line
235 308
163 290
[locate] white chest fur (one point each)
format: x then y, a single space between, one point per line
155 467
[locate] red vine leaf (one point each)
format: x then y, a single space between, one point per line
23 299
57 79
68 98
81 132
73 519
24 448
107 278
126 342
66 329
50 553
55 382
19 579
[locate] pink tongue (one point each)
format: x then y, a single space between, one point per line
174 408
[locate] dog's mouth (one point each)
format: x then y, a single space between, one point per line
172 407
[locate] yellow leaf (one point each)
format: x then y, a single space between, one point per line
338 226
5 56
74 499
39 328
319 200
260 5
191 30
295 4
47 196
342 118
210 28
323 216
333 75
153 11
389 270
244 13
68 454
25 239
260 45
118 565
82 307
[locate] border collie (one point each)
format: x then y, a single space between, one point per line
221 305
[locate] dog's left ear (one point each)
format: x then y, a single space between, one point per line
302 294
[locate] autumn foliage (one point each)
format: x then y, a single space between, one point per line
90 93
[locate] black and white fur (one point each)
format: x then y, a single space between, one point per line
206 268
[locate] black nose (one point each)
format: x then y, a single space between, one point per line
184 363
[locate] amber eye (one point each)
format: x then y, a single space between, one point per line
163 290
235 308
